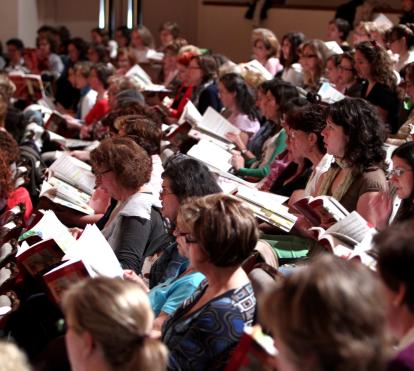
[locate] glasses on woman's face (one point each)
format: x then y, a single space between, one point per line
187 236
399 172
165 192
308 56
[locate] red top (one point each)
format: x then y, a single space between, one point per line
183 95
21 196
99 110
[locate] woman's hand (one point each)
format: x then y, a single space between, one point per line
130 275
380 204
76 232
81 155
237 160
235 138
85 131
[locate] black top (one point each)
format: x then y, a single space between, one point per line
384 97
299 182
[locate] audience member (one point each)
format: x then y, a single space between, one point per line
266 49
395 256
203 332
289 58
109 327
327 315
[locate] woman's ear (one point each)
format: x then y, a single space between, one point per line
88 343
313 138
399 297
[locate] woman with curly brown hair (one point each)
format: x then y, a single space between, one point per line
374 66
134 228
354 135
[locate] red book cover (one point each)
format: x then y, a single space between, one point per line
40 257
60 278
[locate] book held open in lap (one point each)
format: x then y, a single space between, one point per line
70 183
267 207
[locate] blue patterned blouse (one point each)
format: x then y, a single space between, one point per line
205 339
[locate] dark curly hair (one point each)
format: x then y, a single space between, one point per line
309 119
381 64
6 179
144 131
245 102
364 129
130 162
10 147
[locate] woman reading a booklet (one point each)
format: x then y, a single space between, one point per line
327 316
109 327
203 332
402 180
239 105
202 72
245 163
134 229
354 135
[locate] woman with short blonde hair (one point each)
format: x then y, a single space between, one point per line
109 327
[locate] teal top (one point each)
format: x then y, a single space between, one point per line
261 172
170 294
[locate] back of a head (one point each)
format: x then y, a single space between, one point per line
190 178
395 259
118 316
143 131
130 162
223 226
328 315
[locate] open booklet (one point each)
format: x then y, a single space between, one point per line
71 184
50 227
321 210
329 94
211 123
267 206
349 238
29 87
90 256
255 66
211 154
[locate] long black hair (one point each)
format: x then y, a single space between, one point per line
406 152
245 102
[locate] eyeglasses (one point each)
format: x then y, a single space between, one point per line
187 236
308 56
99 174
165 192
398 172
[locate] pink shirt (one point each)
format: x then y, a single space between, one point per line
273 66
244 123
